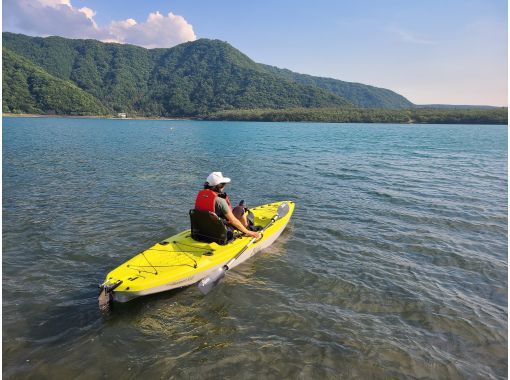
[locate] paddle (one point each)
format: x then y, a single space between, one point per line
207 284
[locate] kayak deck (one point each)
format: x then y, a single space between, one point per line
180 261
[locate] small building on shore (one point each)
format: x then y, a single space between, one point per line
121 115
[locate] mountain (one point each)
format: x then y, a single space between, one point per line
29 89
360 95
209 75
190 79
205 79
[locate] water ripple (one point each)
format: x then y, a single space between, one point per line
394 265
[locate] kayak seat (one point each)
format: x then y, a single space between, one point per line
207 227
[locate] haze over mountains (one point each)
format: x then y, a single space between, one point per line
88 77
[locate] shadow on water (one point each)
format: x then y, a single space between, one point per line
79 315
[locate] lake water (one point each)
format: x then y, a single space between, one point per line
394 264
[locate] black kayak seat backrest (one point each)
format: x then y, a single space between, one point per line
207 227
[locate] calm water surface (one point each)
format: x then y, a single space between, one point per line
394 264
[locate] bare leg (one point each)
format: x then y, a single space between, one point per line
239 213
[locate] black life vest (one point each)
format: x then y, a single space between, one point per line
206 200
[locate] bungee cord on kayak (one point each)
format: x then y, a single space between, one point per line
185 253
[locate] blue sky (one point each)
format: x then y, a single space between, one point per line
448 51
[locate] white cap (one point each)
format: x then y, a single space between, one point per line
215 178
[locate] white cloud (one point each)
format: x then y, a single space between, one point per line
47 17
59 17
53 3
157 31
90 13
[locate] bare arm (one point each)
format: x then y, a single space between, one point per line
237 224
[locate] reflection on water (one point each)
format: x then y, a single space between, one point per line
394 264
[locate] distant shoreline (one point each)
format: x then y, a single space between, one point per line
416 116
5 114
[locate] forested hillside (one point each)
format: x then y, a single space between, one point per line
206 79
187 80
29 89
358 94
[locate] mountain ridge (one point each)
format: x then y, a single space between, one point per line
189 79
361 95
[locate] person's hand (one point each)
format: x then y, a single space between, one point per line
253 234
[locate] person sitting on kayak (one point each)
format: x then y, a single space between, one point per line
213 198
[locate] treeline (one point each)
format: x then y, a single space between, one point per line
366 115
460 116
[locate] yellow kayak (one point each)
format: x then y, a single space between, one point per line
180 261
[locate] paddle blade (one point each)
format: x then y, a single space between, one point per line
283 210
105 300
205 285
